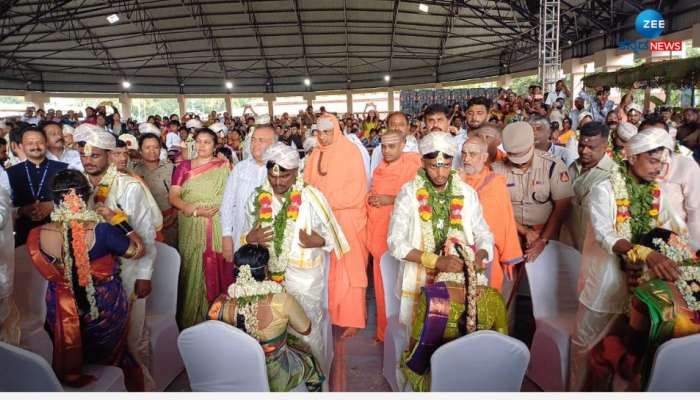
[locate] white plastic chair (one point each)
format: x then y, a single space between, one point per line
221 358
676 366
395 339
25 371
484 361
161 306
30 296
553 278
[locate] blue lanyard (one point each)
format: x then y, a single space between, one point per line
41 183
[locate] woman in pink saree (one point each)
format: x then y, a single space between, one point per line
197 192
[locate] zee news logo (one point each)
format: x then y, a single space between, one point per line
650 24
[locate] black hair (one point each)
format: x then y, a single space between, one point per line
68 179
479 101
174 122
29 128
653 119
121 144
209 132
271 164
595 128
435 109
147 136
3 142
433 155
44 124
226 152
256 257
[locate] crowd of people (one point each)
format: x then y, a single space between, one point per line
277 220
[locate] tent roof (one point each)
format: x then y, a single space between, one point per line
186 46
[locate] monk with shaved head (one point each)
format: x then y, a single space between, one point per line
496 205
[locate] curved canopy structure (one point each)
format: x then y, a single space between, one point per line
187 46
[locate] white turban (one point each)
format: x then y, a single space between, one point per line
625 131
68 130
148 127
282 155
194 124
130 140
633 106
95 136
219 128
438 141
649 139
583 115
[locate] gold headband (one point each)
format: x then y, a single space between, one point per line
440 161
276 170
87 149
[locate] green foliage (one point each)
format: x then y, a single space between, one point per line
142 108
520 85
203 106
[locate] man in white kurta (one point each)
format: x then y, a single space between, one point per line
314 235
420 256
9 315
603 292
245 177
120 192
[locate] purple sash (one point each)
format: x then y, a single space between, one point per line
437 300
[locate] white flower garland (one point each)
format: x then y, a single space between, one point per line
278 262
619 187
688 273
247 292
64 216
426 227
676 254
455 277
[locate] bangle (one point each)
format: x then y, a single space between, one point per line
118 218
638 254
243 240
429 260
194 213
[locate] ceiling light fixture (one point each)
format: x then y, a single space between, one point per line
126 84
423 7
113 19
387 78
307 81
229 85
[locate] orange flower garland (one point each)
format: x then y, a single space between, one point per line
265 201
456 205
424 209
293 209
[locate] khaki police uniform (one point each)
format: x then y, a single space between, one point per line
534 191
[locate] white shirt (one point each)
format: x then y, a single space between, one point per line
7 265
553 96
245 177
563 153
459 142
70 157
172 139
5 180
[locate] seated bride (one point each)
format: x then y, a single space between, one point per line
261 307
456 304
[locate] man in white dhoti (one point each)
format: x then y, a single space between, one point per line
430 210
618 217
116 197
245 177
9 315
296 223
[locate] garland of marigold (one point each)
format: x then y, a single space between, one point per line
637 204
442 208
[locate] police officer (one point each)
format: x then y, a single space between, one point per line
539 185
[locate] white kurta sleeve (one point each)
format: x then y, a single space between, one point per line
599 204
249 217
483 238
228 204
323 222
132 201
399 226
6 265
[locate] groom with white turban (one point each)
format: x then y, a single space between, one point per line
295 222
117 195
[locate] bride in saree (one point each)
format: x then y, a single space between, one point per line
86 305
197 191
454 305
264 310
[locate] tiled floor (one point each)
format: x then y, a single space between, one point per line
357 365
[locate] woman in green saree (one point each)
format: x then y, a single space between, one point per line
454 305
197 191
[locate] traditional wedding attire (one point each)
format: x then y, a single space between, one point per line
289 363
301 269
9 314
79 339
204 274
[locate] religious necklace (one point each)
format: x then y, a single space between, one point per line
41 182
